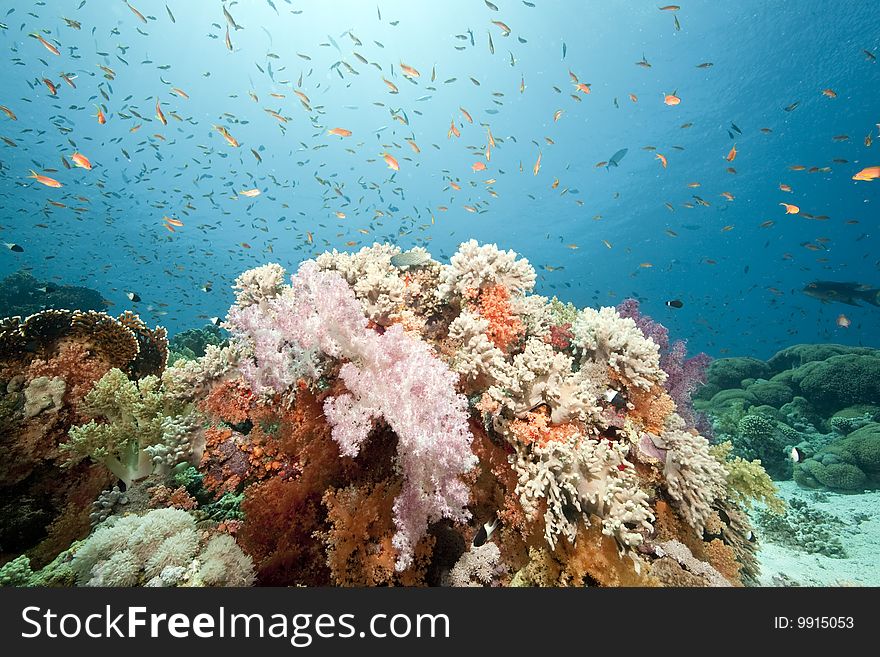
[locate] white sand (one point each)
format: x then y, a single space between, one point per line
861 540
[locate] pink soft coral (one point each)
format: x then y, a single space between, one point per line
391 375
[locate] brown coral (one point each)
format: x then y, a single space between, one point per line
359 549
651 407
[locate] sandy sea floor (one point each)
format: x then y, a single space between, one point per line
860 535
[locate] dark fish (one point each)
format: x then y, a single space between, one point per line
617 157
848 293
675 303
792 107
14 247
796 455
734 126
133 297
485 532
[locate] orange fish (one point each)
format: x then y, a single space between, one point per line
391 86
785 188
470 208
490 137
671 99
453 130
44 180
478 166
340 215
81 161
662 159
843 321
537 167
68 80
455 185
409 71
229 138
727 195
790 209
251 193
339 132
466 115
101 118
173 221
582 86
830 93
170 228
391 162
868 173
309 237
50 86
179 92
8 112
414 146
556 115
634 98
160 115
731 156
52 49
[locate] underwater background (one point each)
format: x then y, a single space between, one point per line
741 287
443 405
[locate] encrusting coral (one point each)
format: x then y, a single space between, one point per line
380 418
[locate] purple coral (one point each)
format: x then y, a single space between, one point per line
392 375
653 330
684 375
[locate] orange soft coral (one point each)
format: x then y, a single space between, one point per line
652 407
359 549
535 427
505 328
230 401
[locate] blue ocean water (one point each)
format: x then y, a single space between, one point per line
596 235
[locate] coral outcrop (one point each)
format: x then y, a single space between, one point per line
381 418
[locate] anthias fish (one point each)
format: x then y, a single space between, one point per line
848 293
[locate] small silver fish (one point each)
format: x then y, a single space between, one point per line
410 259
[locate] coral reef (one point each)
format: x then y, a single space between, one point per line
373 423
804 528
21 294
819 399
49 362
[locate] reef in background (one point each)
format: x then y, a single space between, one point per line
378 418
21 294
811 412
